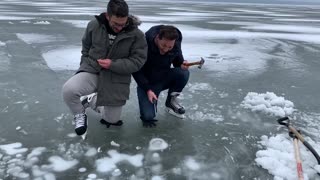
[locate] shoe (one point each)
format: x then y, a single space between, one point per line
81 123
90 101
149 123
108 124
173 105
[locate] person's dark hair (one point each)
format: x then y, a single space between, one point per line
118 8
168 32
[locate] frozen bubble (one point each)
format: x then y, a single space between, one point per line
192 164
92 176
114 144
23 175
72 135
156 169
176 170
116 172
18 128
18 155
49 176
14 170
82 169
215 175
91 152
138 148
157 178
157 144
156 157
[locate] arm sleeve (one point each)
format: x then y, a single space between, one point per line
136 59
141 80
178 60
86 44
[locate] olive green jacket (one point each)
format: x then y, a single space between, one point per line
128 54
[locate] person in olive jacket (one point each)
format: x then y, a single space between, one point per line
112 49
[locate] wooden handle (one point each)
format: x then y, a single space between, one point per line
298 160
192 63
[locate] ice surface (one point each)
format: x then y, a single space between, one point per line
261 58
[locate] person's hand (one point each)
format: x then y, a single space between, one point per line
151 96
105 63
183 66
149 123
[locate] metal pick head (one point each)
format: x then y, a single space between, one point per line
201 63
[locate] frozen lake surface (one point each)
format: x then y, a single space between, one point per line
262 63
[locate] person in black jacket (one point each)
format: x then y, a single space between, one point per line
156 75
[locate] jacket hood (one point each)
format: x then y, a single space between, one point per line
133 21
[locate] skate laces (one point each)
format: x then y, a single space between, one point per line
80 119
86 101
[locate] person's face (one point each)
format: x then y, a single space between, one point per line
164 45
117 23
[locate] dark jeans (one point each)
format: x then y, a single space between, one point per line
176 81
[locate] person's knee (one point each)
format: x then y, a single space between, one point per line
67 91
182 74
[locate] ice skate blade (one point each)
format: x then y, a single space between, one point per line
170 111
84 136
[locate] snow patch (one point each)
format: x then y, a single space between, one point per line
31 38
279 159
268 103
66 58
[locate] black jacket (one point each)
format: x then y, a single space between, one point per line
157 66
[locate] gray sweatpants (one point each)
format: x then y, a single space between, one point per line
82 84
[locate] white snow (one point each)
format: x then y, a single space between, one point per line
63 58
31 38
14 18
42 22
285 28
278 157
268 103
2 43
77 23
